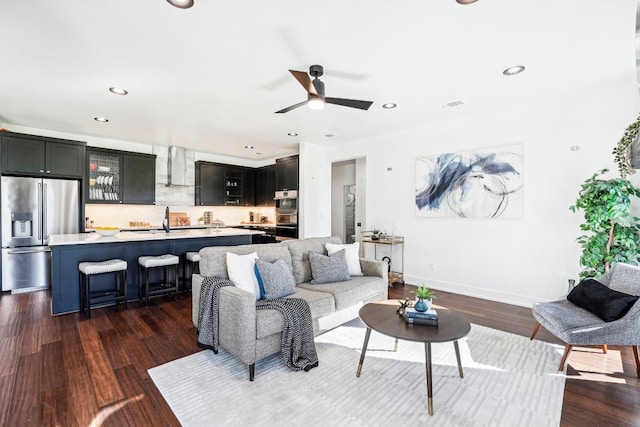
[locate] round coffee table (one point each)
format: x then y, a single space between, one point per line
382 317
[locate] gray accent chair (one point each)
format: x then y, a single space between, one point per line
578 327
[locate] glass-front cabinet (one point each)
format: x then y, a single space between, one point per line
104 177
120 177
233 187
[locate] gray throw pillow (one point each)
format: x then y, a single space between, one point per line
329 269
275 279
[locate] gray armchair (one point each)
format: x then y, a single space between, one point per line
579 327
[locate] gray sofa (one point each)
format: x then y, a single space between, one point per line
251 334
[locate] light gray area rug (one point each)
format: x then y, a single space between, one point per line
508 381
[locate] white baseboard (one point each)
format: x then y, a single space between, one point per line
472 291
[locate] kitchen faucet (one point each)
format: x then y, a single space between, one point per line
165 223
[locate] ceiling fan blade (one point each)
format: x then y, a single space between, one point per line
353 103
293 107
304 80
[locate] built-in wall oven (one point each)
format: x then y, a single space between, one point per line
286 214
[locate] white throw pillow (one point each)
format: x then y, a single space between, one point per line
352 252
242 273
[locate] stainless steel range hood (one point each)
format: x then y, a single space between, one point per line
177 167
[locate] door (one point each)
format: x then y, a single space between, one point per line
28 267
23 155
21 214
139 179
62 208
210 184
64 159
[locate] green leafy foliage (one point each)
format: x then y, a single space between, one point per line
611 233
622 151
424 292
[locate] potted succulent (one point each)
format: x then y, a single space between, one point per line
425 296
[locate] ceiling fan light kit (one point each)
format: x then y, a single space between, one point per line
315 92
315 103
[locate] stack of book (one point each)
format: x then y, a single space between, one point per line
429 317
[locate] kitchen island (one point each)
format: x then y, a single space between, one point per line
68 250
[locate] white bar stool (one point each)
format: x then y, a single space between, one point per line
170 265
191 265
88 269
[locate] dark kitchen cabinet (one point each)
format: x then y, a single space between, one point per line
139 179
249 192
265 185
42 156
209 184
218 184
287 173
121 177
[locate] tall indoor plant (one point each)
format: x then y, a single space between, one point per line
611 233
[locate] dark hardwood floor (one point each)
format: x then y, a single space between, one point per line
68 371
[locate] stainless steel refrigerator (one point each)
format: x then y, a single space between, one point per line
32 210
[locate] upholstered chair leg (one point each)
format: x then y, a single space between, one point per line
604 349
535 330
252 371
567 350
635 356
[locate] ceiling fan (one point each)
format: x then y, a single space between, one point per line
315 92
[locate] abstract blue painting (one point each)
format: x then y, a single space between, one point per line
484 183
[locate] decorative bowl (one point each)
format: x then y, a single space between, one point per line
107 231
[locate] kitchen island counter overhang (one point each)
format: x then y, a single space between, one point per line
68 250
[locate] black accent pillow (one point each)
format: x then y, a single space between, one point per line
604 302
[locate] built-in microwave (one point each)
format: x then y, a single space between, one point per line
286 201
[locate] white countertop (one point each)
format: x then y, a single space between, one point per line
136 236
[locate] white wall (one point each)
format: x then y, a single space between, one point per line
314 212
516 261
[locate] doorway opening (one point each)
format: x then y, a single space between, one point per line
348 199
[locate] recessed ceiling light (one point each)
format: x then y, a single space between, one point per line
389 105
512 71
466 1
292 134
118 91
101 119
249 147
182 4
574 147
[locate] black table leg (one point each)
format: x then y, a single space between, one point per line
364 350
427 355
455 345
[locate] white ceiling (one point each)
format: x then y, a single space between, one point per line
209 78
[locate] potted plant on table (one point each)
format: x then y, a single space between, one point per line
425 296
